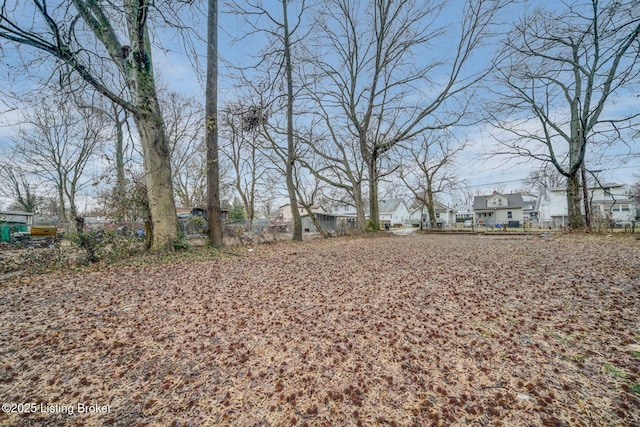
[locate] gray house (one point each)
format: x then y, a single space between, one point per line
498 209
327 221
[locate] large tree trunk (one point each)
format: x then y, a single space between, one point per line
157 166
163 222
62 211
295 212
214 211
585 198
431 208
574 202
577 146
374 210
361 216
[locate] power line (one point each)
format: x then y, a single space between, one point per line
511 181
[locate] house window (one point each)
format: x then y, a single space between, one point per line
509 214
607 191
500 201
495 201
624 208
437 214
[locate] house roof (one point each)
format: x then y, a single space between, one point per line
385 207
389 206
437 206
314 208
324 214
514 200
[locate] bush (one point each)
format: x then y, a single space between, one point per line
371 226
42 260
181 245
108 246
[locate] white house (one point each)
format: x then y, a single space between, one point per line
393 212
613 202
498 208
552 208
445 216
610 202
464 212
530 212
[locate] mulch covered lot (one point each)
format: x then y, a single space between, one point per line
417 330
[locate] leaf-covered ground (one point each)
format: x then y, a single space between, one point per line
418 330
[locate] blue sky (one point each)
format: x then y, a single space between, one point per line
481 171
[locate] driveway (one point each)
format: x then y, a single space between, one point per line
403 231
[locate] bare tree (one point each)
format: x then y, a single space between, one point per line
309 196
561 73
464 195
185 132
108 47
544 178
291 158
58 142
18 186
282 34
119 118
240 124
376 85
334 158
426 169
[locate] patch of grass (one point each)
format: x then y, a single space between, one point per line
635 387
636 354
610 369
181 245
577 358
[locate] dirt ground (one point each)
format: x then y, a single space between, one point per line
414 330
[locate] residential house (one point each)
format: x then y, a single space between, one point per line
286 215
328 221
552 208
445 216
498 209
343 208
610 202
391 212
530 212
464 213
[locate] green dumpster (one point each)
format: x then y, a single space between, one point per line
5 233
